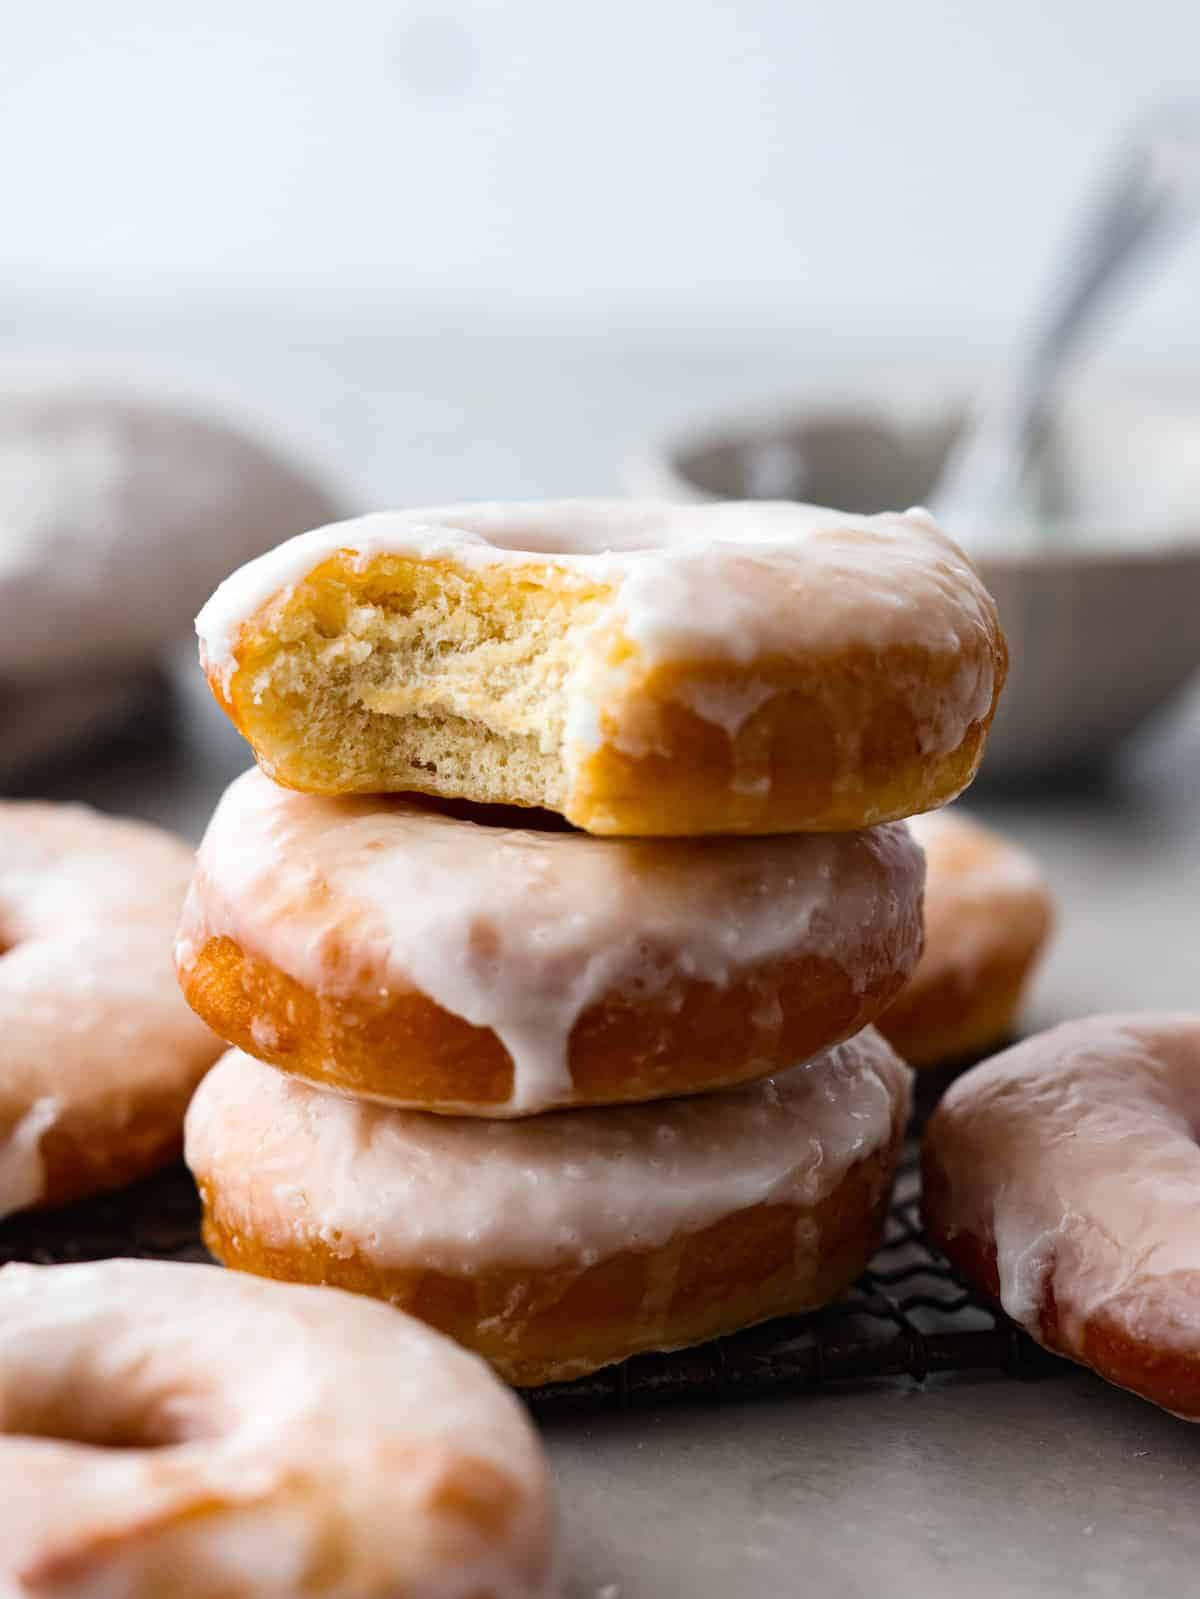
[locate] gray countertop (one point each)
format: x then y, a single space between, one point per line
987 1486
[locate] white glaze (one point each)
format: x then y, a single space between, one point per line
729 582
522 931
291 1164
1076 1150
312 1434
93 1030
118 511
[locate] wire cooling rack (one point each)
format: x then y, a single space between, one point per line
908 1316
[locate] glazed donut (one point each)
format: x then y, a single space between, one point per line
388 950
559 1244
988 915
118 512
1062 1178
169 1429
640 668
98 1053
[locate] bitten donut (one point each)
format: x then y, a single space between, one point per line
98 1052
640 668
1063 1178
988 915
176 1430
559 1244
434 961
119 510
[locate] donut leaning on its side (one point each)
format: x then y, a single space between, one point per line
1062 1177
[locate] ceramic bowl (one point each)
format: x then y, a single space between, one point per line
1102 610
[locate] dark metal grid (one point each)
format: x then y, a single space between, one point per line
907 1316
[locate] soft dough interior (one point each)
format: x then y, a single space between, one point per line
419 675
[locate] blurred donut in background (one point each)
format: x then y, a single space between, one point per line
44 718
989 914
119 512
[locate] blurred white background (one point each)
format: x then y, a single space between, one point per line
453 224
682 158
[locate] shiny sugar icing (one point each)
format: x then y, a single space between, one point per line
316 1441
522 931
290 1165
1076 1151
732 582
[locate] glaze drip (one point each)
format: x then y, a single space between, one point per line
522 931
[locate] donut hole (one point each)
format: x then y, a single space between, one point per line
612 536
110 1411
421 675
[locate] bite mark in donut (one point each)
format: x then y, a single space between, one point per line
643 669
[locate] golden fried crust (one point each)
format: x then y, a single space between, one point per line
691 1037
954 1018
77 1163
547 1325
835 748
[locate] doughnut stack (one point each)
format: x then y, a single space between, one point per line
550 928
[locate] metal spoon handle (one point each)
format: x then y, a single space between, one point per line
1154 192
